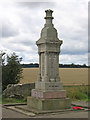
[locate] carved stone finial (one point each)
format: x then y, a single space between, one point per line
49 16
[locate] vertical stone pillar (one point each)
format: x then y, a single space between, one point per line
57 71
46 67
39 75
49 49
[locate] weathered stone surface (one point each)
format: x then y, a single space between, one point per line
48 94
48 104
19 90
48 85
48 49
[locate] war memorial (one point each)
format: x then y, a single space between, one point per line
48 93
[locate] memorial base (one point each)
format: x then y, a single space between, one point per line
48 94
48 104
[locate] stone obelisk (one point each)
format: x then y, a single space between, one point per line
48 93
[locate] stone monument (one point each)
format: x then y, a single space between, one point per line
48 93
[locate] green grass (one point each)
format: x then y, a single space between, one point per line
78 92
12 100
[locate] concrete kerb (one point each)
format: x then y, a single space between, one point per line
74 103
13 108
35 111
22 108
14 104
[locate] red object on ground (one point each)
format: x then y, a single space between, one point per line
77 108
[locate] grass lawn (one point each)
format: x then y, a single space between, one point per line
12 100
78 93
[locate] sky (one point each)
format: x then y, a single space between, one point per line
22 22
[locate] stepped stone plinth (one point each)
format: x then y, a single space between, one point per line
48 93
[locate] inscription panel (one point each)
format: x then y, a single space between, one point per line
52 66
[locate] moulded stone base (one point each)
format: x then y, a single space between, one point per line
48 104
48 94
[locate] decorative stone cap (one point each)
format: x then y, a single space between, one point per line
49 33
49 14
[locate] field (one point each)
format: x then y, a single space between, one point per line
69 76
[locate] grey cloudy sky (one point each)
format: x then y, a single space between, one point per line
22 23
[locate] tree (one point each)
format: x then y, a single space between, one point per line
1 64
12 71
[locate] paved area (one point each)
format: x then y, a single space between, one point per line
7 113
70 114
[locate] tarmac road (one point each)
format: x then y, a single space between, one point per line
7 113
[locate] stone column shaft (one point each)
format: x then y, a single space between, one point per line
57 74
57 63
46 66
39 77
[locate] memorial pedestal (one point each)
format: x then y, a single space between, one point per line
48 104
48 100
